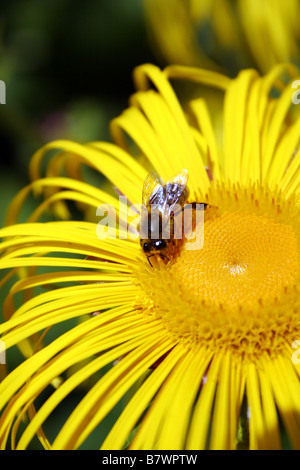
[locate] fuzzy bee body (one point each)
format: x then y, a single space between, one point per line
162 204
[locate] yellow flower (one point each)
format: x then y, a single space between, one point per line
225 34
203 344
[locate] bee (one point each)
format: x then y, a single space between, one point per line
162 203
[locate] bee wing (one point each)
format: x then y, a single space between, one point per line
180 178
176 189
151 185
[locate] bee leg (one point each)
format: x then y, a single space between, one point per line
150 261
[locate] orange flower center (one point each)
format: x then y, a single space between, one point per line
245 258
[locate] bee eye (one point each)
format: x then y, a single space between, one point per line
146 247
160 244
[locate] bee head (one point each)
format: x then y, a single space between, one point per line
155 245
159 245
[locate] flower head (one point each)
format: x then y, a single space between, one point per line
199 344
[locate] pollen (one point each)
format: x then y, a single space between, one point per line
240 290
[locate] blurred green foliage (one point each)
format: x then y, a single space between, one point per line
67 66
